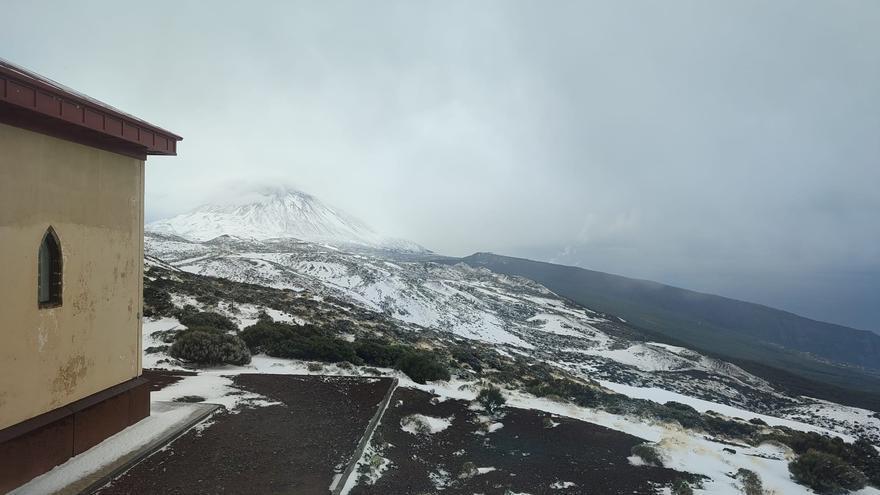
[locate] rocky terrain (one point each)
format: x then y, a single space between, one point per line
512 316
340 306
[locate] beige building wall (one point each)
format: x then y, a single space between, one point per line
94 201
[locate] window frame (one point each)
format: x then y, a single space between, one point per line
56 267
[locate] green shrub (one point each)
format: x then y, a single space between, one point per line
648 453
825 473
801 442
211 348
379 353
207 319
267 337
422 366
208 299
297 342
315 367
466 355
416 423
751 482
190 398
166 336
728 427
310 342
864 457
468 470
579 393
491 399
157 302
681 487
263 316
683 414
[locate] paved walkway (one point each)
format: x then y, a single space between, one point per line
99 464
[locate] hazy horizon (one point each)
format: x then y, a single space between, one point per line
726 148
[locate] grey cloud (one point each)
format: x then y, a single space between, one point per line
703 143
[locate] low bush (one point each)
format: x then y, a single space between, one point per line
263 316
801 442
422 367
468 470
206 319
864 457
166 336
491 399
208 299
297 342
315 367
825 473
681 487
728 427
581 394
860 456
415 423
311 342
190 398
751 482
379 353
648 454
157 302
683 414
210 348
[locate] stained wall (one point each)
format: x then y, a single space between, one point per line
94 201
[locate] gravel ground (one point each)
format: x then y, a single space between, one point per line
294 448
160 379
533 452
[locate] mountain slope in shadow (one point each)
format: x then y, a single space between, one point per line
777 342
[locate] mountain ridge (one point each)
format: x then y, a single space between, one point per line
826 352
277 212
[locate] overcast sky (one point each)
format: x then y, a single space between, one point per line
731 147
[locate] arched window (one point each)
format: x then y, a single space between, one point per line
49 271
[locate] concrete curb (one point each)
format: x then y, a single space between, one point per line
339 483
127 462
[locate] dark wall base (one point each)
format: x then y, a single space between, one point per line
33 447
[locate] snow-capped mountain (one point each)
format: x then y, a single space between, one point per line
274 213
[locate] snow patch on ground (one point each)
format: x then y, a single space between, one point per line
663 396
161 419
417 424
555 324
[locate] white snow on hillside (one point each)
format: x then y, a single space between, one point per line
515 315
277 213
682 449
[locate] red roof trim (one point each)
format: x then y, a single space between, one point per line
32 101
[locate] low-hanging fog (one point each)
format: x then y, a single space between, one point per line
728 147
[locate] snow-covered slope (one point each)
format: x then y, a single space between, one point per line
277 213
516 316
